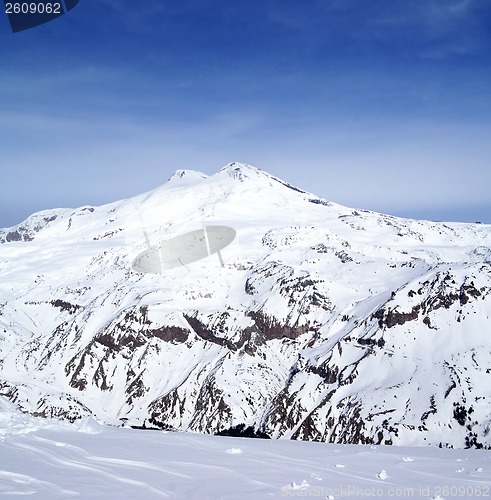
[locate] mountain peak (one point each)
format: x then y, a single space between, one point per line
320 315
242 171
187 175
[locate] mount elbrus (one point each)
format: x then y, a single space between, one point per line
311 321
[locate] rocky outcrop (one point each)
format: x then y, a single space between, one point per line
318 322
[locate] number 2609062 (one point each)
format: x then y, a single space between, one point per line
33 8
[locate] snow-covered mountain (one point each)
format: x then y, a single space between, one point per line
316 322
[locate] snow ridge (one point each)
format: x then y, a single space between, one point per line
318 322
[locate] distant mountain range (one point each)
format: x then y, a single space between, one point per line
316 322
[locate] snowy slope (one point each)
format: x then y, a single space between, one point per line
325 323
54 460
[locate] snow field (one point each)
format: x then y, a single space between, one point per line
55 460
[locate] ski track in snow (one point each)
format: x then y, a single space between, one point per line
50 460
394 304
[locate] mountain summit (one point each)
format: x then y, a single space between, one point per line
295 317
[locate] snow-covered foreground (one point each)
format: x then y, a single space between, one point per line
51 459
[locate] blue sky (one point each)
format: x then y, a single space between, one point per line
380 104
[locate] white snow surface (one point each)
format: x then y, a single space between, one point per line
325 323
48 459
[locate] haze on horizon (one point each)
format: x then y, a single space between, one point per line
383 105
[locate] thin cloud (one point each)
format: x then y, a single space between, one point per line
432 28
134 19
341 95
